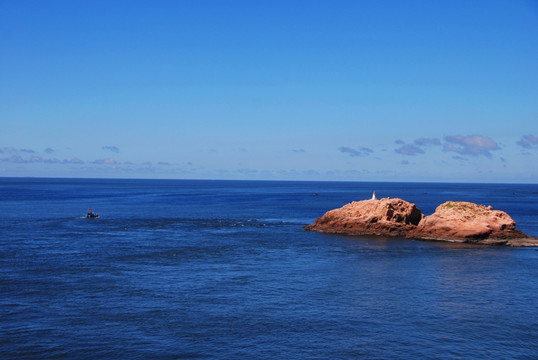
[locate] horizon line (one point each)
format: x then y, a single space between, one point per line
264 180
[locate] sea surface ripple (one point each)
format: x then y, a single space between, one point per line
224 270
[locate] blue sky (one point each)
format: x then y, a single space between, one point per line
287 90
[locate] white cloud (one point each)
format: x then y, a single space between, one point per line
409 150
473 145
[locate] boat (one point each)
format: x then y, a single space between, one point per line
91 215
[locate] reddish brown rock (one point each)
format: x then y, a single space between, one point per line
453 221
459 221
386 217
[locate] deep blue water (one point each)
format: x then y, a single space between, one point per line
224 270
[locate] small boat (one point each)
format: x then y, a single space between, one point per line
91 215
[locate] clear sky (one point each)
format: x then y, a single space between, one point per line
289 90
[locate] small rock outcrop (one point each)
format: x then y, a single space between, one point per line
453 221
385 217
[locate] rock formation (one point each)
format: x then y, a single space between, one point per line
453 221
387 217
459 221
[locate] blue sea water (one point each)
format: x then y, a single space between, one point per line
224 270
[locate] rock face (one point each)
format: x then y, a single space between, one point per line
386 217
454 221
460 221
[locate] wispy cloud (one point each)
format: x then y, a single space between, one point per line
427 142
113 149
17 159
473 145
528 142
247 171
15 151
108 161
409 150
9 150
298 150
362 151
417 147
34 159
73 161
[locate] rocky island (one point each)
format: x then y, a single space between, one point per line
453 221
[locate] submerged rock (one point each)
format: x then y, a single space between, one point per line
386 217
454 221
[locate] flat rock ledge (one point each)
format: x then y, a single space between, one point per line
453 221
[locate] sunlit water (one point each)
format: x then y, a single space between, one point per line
224 270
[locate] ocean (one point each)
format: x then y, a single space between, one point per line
193 269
